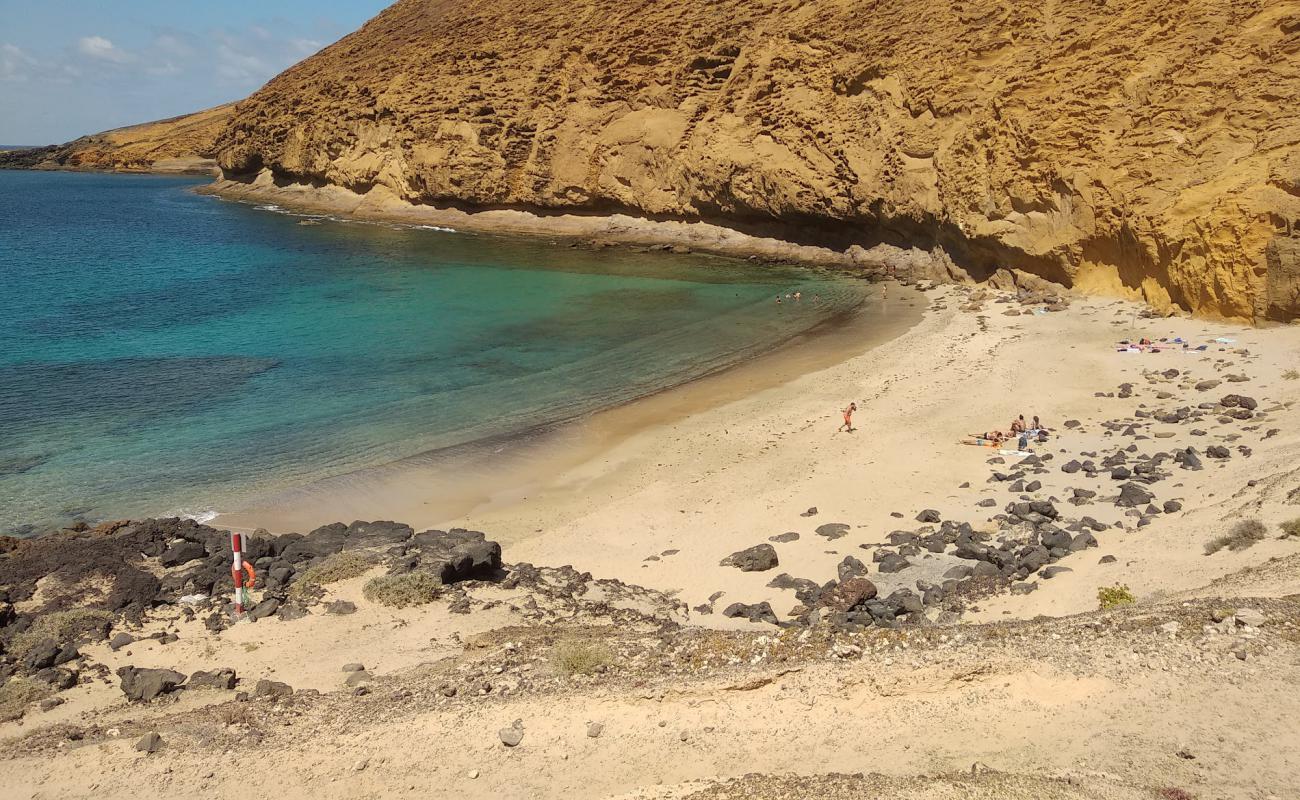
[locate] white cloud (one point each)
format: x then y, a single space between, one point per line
239 66
98 47
15 64
305 47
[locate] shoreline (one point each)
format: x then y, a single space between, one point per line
602 230
501 471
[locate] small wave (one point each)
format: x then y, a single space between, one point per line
269 207
202 517
434 228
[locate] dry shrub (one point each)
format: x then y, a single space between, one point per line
330 569
1174 793
17 694
580 658
1243 535
402 591
1291 375
236 714
1290 528
61 627
1114 597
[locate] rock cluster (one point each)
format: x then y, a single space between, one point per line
185 565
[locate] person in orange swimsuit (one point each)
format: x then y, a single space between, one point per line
848 418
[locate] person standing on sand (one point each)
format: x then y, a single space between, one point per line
848 418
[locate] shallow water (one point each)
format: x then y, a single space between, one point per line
165 352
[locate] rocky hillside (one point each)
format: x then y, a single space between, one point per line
179 144
1143 147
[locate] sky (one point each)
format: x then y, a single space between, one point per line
73 67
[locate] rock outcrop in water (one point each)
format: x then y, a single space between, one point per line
179 144
1137 147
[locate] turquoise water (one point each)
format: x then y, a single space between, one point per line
163 352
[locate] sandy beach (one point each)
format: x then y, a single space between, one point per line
687 700
704 476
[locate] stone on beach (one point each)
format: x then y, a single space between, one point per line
222 678
833 530
757 612
848 595
759 558
143 685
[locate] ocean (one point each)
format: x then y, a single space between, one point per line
164 352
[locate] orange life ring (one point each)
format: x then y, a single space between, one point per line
252 575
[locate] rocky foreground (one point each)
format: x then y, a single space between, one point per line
573 686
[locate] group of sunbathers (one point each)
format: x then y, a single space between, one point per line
1145 345
1022 432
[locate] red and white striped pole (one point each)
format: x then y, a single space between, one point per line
237 570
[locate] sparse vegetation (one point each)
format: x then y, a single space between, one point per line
1174 793
236 714
331 569
61 627
1291 375
1290 528
17 693
402 591
1243 535
579 658
1114 597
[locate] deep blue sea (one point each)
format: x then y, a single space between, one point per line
167 352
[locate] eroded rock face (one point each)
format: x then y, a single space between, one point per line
1137 147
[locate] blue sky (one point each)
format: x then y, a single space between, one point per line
72 67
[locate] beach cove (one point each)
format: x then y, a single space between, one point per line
636 557
167 353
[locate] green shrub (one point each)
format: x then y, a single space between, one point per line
17 693
1114 597
1244 534
61 627
402 591
331 569
579 658
1290 528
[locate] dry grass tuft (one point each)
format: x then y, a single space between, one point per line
402 591
580 658
61 627
1243 535
17 694
1291 375
331 569
1290 528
